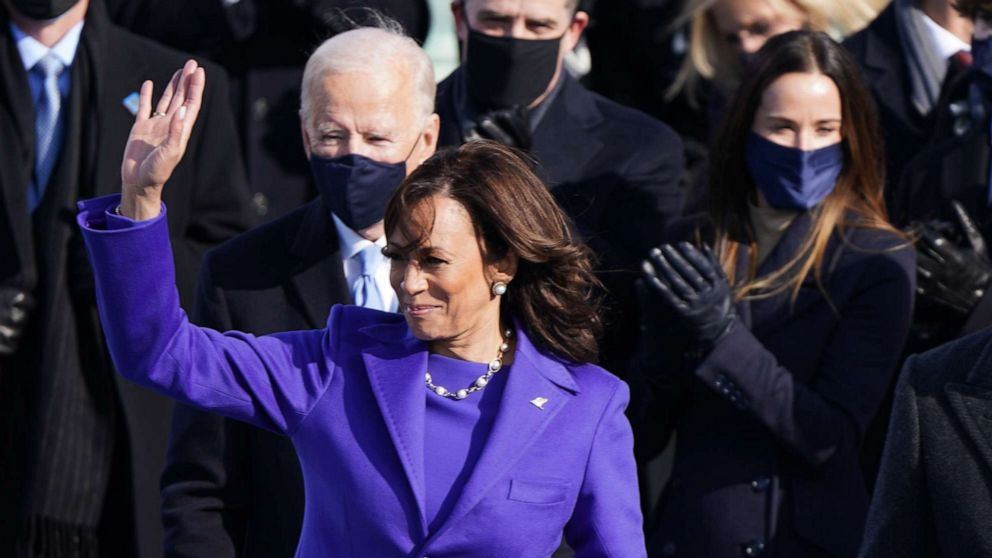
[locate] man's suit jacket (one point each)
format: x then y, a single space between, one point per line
210 203
231 489
934 492
351 397
769 422
879 52
616 172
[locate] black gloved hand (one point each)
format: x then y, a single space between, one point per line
15 307
692 283
950 275
510 127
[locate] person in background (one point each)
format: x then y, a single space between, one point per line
770 352
932 497
944 197
906 54
615 171
725 34
81 451
263 45
474 407
232 489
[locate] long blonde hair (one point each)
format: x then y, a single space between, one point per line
856 200
709 57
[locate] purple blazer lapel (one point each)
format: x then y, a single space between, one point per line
396 374
519 421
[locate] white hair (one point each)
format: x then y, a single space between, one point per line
383 47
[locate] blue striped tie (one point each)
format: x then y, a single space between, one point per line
364 292
47 124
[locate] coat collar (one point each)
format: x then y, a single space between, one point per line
971 403
395 368
319 281
564 142
885 66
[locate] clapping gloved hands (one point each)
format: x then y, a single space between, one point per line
510 127
691 282
949 275
15 307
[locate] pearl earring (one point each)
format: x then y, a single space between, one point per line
499 288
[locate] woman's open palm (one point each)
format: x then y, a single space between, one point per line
158 138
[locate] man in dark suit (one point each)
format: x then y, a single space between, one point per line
906 53
933 497
614 170
368 95
80 451
946 190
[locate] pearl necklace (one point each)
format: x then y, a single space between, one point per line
482 381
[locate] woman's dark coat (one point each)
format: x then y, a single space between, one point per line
770 422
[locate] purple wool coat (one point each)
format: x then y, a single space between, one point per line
351 398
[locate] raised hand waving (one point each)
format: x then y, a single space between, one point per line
158 140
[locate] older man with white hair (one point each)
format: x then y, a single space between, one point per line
367 118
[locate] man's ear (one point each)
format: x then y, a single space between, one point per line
579 23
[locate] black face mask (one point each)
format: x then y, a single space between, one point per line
504 72
42 9
356 188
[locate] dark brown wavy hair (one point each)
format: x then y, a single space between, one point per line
554 292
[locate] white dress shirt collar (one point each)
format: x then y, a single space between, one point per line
32 51
945 43
350 244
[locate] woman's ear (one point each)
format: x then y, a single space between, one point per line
504 269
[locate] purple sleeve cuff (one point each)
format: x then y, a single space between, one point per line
99 214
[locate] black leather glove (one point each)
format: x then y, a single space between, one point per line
949 274
15 307
510 127
691 282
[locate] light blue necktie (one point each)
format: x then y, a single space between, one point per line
364 291
47 125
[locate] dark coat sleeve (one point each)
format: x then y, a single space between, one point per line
827 417
205 485
652 197
900 521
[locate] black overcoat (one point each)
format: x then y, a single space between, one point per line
878 50
769 423
934 492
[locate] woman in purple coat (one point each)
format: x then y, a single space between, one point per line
467 426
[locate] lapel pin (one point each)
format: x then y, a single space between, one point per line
539 402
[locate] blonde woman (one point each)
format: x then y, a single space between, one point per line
723 33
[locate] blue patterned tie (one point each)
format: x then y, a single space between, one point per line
364 292
47 124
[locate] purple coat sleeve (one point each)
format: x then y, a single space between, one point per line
607 521
272 381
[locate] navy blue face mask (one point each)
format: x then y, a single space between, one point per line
791 178
356 188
